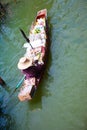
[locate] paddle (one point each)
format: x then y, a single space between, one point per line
6 101
2 82
17 86
27 39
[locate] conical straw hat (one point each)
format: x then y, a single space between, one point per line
24 63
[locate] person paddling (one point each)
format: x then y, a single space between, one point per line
32 72
29 68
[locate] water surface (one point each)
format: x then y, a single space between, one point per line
61 100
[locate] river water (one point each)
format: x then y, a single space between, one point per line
60 102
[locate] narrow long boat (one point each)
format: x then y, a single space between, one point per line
35 57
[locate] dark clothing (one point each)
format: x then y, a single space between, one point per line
33 71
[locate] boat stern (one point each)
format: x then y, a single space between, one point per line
27 93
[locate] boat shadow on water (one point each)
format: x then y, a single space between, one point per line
42 91
43 88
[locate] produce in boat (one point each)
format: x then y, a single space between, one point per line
32 64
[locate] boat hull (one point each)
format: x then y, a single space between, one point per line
27 91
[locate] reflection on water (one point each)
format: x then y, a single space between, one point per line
60 102
5 121
42 91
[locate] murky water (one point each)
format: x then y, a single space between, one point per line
61 100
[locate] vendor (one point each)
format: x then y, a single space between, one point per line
29 69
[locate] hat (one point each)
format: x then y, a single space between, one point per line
24 63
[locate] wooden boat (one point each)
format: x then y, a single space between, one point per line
35 56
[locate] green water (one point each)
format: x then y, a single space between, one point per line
61 100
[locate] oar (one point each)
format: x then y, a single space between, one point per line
7 100
2 82
18 85
27 39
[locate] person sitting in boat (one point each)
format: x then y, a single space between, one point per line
37 53
32 72
30 69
